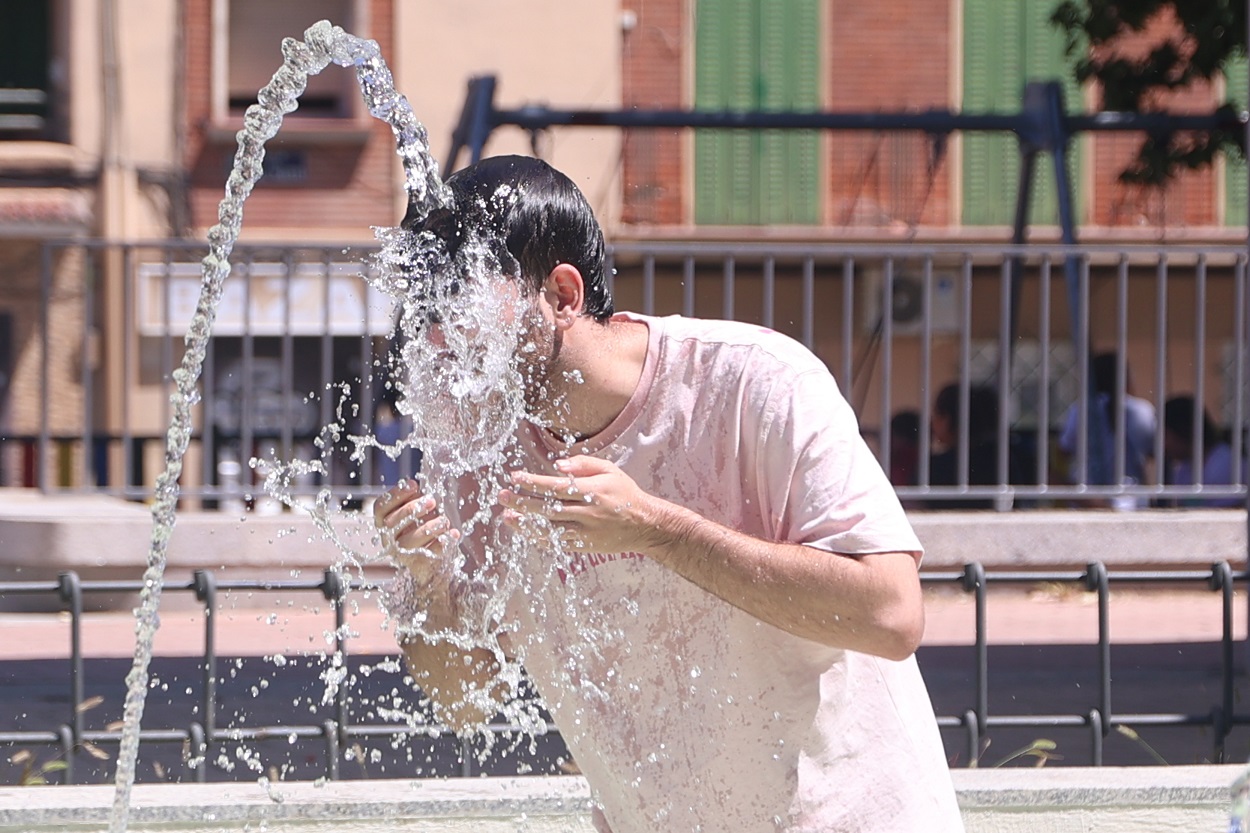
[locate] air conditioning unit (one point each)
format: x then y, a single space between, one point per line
906 303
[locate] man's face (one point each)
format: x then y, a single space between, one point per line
538 357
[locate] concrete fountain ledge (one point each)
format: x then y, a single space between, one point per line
480 805
1059 800
107 538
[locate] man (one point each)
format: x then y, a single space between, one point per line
749 574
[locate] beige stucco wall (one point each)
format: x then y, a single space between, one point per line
145 43
562 53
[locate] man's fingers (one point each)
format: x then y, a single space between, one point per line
403 492
583 465
417 535
541 485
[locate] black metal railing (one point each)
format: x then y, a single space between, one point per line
897 325
343 721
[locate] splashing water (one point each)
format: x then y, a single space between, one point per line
323 44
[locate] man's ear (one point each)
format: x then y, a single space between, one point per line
567 292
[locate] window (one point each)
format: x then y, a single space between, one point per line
250 53
1006 44
757 55
29 101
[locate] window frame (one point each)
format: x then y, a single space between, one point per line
353 123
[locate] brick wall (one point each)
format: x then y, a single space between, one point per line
20 271
888 56
1190 199
654 55
887 179
350 182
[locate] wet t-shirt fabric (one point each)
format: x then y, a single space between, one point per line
683 712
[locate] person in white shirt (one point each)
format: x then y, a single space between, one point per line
750 575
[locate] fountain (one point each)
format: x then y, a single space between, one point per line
482 380
323 44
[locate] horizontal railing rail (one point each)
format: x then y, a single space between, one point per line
204 729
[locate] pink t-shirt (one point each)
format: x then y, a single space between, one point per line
684 712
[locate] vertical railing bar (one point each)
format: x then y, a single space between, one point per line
327 356
1200 356
727 289
648 284
1083 366
247 411
1119 436
198 751
128 356
926 370
366 386
848 333
91 277
167 337
1005 347
974 582
971 723
205 584
687 286
330 732
965 362
335 592
1096 580
208 429
1222 580
1161 330
70 590
1043 385
769 280
887 363
65 736
1098 727
45 366
288 355
809 303
1239 367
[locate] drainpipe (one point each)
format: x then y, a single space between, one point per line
117 186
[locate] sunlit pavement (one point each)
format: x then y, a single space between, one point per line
1037 615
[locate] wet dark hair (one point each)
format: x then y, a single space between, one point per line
1179 415
532 217
982 410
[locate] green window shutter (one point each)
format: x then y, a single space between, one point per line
1008 43
1234 163
789 81
723 80
991 84
756 55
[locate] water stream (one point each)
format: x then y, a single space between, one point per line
323 44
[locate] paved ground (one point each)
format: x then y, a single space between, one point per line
1043 660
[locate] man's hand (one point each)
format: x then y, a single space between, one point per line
600 508
414 533
460 681
869 603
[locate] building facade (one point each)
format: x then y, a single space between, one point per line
117 123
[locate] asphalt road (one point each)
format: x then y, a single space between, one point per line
1166 660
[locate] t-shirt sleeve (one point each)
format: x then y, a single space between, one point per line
824 486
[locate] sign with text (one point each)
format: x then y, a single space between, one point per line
264 299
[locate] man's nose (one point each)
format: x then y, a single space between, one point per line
434 332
